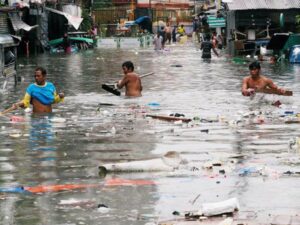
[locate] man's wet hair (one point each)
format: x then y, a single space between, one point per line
44 72
128 65
254 65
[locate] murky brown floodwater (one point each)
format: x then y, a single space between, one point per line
68 146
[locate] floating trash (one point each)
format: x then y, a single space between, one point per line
103 208
169 162
58 120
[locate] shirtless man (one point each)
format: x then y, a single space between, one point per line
258 83
41 94
130 80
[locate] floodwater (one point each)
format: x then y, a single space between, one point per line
55 157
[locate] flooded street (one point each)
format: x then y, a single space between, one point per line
49 163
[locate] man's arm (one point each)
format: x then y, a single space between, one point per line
58 97
273 89
121 83
245 90
215 51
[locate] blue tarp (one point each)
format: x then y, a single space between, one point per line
295 54
142 19
145 23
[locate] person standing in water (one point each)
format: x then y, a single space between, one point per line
66 43
130 80
255 82
41 94
206 47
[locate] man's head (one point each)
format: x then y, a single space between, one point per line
127 67
254 69
40 75
207 37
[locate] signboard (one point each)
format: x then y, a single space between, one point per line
215 22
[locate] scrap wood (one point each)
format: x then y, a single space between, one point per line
169 118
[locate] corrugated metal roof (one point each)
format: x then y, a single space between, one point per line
74 20
18 24
263 4
6 39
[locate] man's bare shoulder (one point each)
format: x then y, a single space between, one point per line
265 79
132 75
247 78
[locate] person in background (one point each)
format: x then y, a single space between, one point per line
273 59
206 47
196 29
219 14
168 32
220 41
214 39
162 33
181 30
174 31
258 83
66 43
157 42
130 80
41 94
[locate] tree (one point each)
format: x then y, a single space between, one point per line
298 23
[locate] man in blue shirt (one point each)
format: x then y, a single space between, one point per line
41 94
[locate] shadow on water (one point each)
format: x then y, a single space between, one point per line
68 146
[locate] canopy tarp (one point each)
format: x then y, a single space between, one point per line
145 23
75 21
60 40
18 24
142 19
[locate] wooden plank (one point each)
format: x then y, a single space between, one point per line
292 121
169 118
276 92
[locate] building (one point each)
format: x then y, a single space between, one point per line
251 23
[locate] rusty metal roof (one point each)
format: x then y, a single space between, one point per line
263 4
18 24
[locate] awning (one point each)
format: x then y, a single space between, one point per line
7 40
73 20
18 24
263 4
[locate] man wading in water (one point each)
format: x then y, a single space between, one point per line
130 80
206 47
258 83
41 94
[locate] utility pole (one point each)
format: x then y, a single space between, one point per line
149 9
218 7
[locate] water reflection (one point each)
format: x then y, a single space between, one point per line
41 133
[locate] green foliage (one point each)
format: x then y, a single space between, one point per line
87 20
297 18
